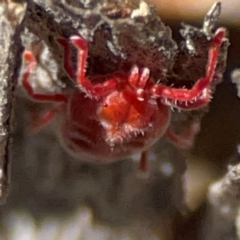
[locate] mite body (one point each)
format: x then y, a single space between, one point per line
110 128
107 118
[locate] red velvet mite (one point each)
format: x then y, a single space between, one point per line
106 118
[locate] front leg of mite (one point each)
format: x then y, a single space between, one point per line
84 83
199 95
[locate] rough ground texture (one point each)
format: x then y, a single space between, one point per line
49 189
10 48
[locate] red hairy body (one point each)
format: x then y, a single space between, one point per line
88 133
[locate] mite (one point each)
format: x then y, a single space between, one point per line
110 117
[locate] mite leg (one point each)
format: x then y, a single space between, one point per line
92 90
31 64
38 121
143 162
185 140
195 94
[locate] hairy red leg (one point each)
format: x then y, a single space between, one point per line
202 101
178 95
94 90
30 58
143 162
40 121
185 140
